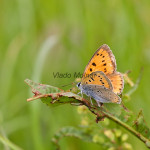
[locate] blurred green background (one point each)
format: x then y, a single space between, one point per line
39 37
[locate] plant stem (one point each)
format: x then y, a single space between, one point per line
124 125
9 143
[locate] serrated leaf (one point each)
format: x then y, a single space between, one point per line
78 133
140 125
38 88
61 98
54 96
69 131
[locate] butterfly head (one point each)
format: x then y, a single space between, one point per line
79 85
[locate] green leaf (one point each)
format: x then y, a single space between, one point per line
140 125
54 96
60 98
80 134
73 132
38 88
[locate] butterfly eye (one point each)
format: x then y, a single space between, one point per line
78 85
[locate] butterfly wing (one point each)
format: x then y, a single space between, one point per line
101 94
117 82
97 78
102 60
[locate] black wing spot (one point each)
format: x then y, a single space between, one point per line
90 69
103 56
98 76
103 60
93 64
89 80
105 70
104 64
86 83
97 91
92 79
97 54
102 82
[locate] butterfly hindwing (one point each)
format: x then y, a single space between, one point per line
101 94
97 78
117 82
102 60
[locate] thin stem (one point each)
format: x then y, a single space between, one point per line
124 125
9 143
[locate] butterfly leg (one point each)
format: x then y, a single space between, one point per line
81 93
98 103
91 101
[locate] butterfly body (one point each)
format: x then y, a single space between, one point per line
100 79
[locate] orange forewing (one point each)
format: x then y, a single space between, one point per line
102 60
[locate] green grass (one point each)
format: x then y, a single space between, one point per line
78 28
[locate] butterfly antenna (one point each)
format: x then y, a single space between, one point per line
68 84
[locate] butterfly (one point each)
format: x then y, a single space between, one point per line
100 79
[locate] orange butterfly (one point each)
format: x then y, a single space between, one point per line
100 79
